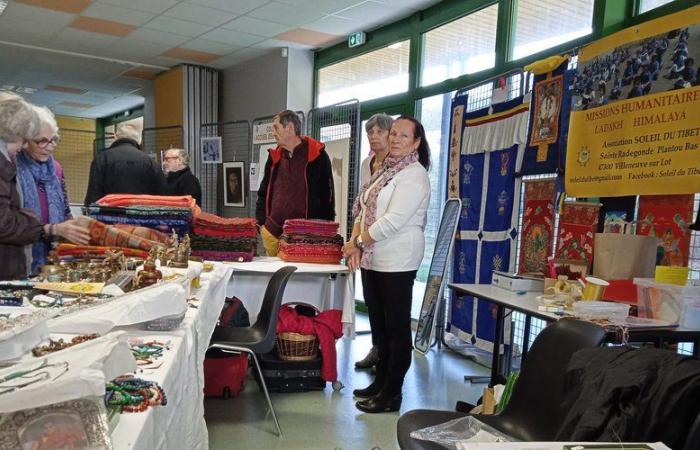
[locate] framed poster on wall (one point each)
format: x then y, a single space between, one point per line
234 184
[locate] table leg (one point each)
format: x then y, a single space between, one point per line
497 340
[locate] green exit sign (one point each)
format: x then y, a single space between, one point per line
357 39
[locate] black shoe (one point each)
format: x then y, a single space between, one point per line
370 391
380 404
370 360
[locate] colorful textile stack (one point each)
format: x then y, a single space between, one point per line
129 237
160 212
311 241
224 239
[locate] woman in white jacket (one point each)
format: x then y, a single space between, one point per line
387 244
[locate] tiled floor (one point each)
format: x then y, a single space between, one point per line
328 419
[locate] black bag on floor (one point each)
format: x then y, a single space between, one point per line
291 376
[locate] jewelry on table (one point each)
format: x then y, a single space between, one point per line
54 346
130 394
32 375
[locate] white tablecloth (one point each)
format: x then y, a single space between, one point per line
325 286
180 424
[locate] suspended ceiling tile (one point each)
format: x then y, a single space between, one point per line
287 14
24 27
124 15
238 57
136 50
307 37
83 42
12 34
199 14
69 6
259 27
143 74
275 43
233 6
335 25
65 89
232 37
326 6
37 15
205 45
183 27
190 55
372 12
157 37
102 26
151 6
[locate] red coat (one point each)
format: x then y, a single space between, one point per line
326 326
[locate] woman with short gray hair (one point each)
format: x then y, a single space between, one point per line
180 179
18 227
43 187
377 128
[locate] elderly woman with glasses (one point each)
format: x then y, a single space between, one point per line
42 185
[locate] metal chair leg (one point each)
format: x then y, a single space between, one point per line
267 395
262 379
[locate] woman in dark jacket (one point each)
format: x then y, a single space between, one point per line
180 179
20 227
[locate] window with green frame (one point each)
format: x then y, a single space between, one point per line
543 24
371 75
460 47
648 5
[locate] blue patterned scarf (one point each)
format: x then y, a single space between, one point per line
31 175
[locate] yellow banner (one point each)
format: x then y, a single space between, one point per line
635 127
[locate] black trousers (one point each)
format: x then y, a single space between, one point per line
388 297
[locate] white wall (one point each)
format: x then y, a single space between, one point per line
255 88
300 80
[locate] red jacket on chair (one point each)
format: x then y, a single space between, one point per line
326 326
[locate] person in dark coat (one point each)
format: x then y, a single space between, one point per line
179 178
20 227
123 169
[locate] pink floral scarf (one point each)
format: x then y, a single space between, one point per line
391 166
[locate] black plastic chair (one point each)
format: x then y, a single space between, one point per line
260 337
533 412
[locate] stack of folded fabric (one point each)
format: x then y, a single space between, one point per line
159 212
311 241
224 239
93 251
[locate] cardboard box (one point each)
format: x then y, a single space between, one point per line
514 282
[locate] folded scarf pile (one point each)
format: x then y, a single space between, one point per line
214 255
177 201
314 227
161 218
93 251
110 236
211 225
310 241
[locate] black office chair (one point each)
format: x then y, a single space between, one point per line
533 412
259 338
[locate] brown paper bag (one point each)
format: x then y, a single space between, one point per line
623 256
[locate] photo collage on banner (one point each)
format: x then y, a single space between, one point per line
492 140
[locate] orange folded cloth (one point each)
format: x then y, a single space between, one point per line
180 201
84 251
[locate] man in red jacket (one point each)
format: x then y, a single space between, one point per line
297 182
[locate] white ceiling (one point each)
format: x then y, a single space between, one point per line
41 44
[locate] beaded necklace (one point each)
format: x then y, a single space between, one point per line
130 394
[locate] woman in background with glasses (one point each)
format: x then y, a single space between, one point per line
43 187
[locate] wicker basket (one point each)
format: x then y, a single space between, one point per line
296 347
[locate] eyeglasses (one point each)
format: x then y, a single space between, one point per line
171 158
43 142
